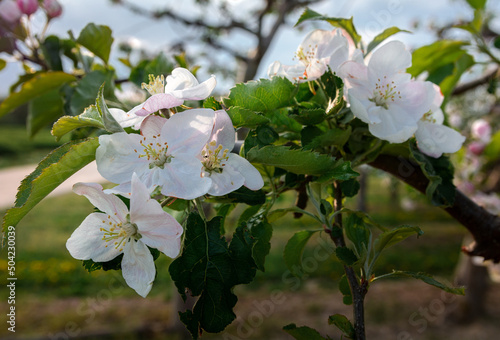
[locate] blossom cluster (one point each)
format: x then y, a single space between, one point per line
11 11
379 91
184 155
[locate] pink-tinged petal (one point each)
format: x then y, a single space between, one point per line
355 74
315 69
275 69
338 58
253 178
358 109
188 132
481 130
416 99
108 204
138 267
317 44
9 11
439 97
390 58
157 102
223 132
87 242
227 181
152 125
393 127
435 139
127 119
182 178
117 157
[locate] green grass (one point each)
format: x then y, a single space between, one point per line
16 147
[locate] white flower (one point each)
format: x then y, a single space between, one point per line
181 85
433 138
384 96
115 230
165 155
318 50
228 171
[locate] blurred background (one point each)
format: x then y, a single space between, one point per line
236 40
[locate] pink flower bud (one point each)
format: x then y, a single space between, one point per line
28 7
53 8
476 148
481 130
9 11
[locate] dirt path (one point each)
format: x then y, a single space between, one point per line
11 178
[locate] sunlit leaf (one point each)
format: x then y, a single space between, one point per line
44 110
97 39
382 36
90 117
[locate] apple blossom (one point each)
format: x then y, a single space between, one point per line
28 7
116 230
433 138
165 155
9 11
317 51
53 8
382 95
481 130
228 171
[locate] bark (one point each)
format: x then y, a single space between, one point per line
484 226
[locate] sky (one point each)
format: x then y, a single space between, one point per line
370 18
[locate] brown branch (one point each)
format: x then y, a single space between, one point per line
484 226
476 82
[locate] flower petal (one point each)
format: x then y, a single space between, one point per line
108 204
157 102
393 126
223 132
188 132
138 267
227 181
127 119
152 125
435 139
390 58
87 242
253 178
184 85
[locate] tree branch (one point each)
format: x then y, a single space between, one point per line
484 226
476 82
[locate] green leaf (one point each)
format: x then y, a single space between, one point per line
110 124
3 63
88 87
345 289
357 231
335 136
303 332
263 95
460 66
209 268
51 48
342 323
244 117
340 171
44 110
429 280
212 103
477 4
296 161
158 66
346 255
58 166
90 117
492 150
245 195
350 188
40 84
309 116
396 235
261 233
382 36
440 190
346 24
97 39
431 57
294 250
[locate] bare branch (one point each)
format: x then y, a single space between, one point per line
476 82
484 226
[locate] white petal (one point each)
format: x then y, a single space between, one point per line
390 58
318 44
138 267
227 181
157 102
183 84
435 139
275 69
358 109
223 131
188 132
182 178
108 204
315 69
416 99
127 119
116 157
393 126
355 74
86 241
253 178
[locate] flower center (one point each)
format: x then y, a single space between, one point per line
384 93
156 153
213 159
156 85
428 117
119 233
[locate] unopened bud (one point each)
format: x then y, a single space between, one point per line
53 8
476 148
28 7
9 11
481 130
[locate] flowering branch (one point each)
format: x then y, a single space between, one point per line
484 226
